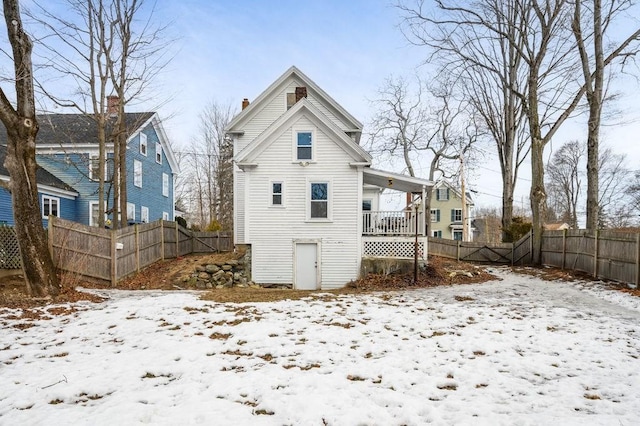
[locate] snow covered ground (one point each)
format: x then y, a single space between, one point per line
520 351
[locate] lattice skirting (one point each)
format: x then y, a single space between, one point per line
399 249
9 250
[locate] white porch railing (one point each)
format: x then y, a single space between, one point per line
389 223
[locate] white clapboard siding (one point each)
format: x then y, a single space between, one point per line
274 229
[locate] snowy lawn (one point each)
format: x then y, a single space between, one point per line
519 351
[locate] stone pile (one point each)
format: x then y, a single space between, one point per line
230 273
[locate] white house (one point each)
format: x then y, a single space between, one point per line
305 196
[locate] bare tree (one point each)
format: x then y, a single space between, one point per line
403 126
212 168
600 19
491 74
22 128
537 32
106 50
613 201
564 181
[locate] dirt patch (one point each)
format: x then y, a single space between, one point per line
13 294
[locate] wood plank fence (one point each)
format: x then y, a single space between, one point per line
110 255
518 253
604 254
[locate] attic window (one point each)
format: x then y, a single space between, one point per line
442 194
158 153
143 144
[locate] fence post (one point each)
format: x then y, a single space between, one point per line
162 239
637 260
135 227
50 236
114 260
177 240
513 252
458 250
564 247
595 257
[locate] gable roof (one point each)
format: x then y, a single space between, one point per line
292 73
57 129
77 130
43 177
445 183
305 108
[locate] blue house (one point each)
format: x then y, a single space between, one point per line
67 151
56 197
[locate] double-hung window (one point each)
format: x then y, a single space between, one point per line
165 184
143 144
435 215
158 153
319 208
277 194
137 173
50 206
442 194
131 212
304 146
456 215
144 214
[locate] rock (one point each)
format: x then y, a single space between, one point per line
201 285
200 268
219 286
227 267
209 285
203 276
217 275
211 268
232 262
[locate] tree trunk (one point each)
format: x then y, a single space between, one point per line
507 202
22 128
538 197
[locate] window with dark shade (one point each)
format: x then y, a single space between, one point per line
304 146
276 193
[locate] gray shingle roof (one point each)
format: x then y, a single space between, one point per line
43 177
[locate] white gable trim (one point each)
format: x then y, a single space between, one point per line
236 124
302 108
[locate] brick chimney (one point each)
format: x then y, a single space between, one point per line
245 103
301 92
113 102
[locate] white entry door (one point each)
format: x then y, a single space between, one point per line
306 266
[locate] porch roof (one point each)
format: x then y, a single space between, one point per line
395 181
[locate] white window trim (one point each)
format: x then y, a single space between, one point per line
454 232
456 213
294 155
434 215
144 214
95 203
329 217
165 216
49 198
158 153
165 184
271 194
131 208
137 164
143 142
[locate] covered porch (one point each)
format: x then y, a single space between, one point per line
395 234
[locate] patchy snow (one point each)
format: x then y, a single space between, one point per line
520 351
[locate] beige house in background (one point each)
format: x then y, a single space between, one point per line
446 212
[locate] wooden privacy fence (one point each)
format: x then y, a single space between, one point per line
111 255
518 253
604 254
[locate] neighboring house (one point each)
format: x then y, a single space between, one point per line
56 197
446 212
558 226
305 196
67 148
